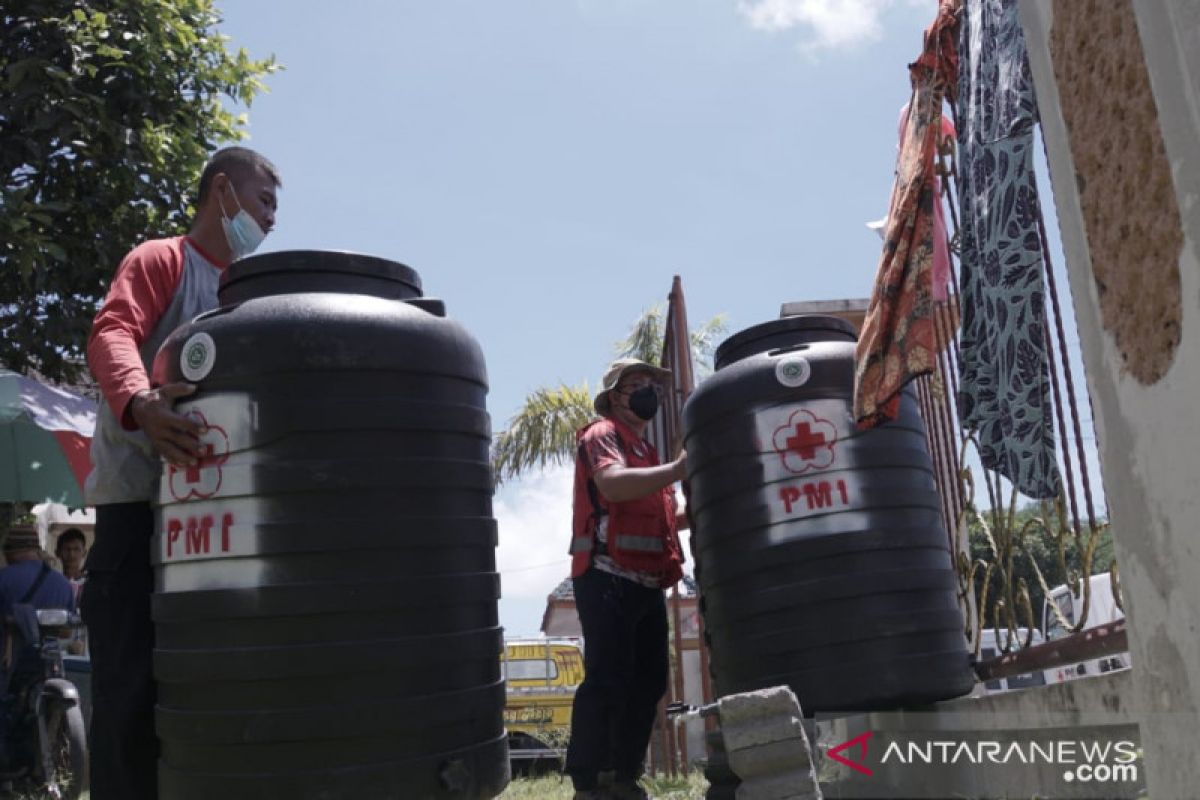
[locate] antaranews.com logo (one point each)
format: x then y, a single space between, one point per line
931 765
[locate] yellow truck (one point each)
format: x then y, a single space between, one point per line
541 678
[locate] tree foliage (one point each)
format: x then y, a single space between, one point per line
108 112
645 339
1021 542
542 432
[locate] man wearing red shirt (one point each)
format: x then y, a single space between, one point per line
159 285
625 550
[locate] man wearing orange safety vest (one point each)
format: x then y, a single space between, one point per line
625 550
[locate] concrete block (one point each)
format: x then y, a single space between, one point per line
767 747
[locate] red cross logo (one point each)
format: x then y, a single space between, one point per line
805 442
202 479
191 474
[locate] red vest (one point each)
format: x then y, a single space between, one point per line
641 533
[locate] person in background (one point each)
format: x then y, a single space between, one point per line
27 579
159 285
625 550
71 549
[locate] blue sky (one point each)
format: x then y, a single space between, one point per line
548 165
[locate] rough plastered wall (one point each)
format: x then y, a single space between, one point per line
1123 178
1095 117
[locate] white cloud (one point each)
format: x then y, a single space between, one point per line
832 23
534 515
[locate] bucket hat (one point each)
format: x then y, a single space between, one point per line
618 370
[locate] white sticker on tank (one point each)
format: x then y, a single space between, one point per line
208 512
209 529
210 544
804 472
793 371
197 357
228 423
797 439
204 478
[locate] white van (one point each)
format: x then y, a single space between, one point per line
989 649
1102 609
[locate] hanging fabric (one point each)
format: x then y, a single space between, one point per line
941 246
1004 390
899 340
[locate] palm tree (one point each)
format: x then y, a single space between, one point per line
542 432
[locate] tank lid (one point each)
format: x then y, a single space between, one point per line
317 270
781 333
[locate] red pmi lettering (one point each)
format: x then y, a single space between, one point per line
174 529
789 495
818 495
197 536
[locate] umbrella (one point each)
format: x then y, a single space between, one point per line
45 433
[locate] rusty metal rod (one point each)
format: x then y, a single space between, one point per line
944 412
945 436
706 690
952 367
677 620
1056 397
924 401
1051 283
1103 640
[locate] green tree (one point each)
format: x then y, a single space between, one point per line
542 432
108 111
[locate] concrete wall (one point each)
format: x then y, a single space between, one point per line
1117 89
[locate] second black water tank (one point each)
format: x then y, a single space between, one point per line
821 555
326 591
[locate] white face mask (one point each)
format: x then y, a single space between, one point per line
243 232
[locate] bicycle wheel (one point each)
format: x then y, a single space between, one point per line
68 742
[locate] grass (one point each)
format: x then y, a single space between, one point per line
558 787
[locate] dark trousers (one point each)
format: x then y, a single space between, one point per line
626 662
116 609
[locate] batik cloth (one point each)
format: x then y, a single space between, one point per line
941 246
899 337
1004 386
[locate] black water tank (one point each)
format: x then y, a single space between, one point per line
326 590
821 555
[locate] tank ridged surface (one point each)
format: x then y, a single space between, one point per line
326 590
821 555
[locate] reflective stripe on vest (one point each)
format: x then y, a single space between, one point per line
581 544
641 544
